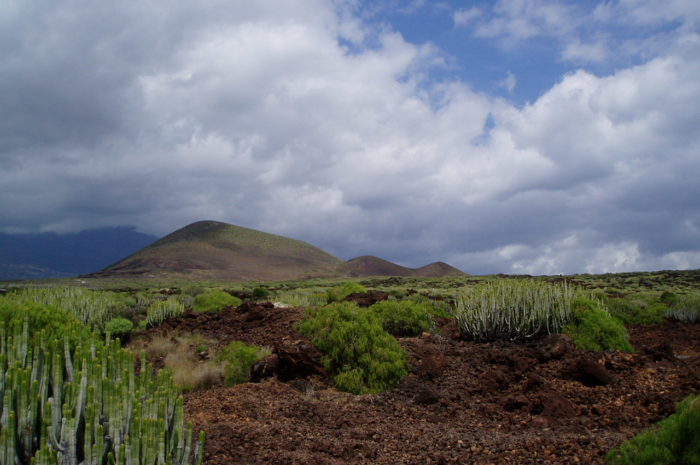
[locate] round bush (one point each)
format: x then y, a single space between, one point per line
405 317
119 327
261 293
336 294
360 354
594 329
215 301
238 358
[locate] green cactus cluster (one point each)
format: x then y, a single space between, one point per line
94 308
514 309
163 309
86 405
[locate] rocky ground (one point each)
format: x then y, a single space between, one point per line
541 402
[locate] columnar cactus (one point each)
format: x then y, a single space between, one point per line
86 406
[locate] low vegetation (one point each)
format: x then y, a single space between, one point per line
675 440
362 356
404 317
637 311
514 309
214 301
119 327
592 327
338 293
85 404
92 308
53 364
161 310
685 309
238 358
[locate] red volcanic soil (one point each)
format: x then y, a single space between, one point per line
540 402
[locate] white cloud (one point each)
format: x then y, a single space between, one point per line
509 82
463 17
587 35
593 52
516 20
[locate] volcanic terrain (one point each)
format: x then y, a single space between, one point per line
540 402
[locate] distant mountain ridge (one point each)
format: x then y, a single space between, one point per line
221 251
52 255
368 265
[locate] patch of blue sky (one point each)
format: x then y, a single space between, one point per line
599 37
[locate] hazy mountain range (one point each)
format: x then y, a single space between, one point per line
205 250
51 255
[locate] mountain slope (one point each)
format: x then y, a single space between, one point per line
369 265
437 270
214 250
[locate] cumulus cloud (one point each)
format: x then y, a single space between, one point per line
300 118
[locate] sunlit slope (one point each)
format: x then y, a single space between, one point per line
214 250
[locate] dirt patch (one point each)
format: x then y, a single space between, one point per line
464 402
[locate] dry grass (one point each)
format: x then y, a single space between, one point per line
189 373
188 357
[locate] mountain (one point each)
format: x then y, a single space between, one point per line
437 270
369 265
220 251
51 255
205 250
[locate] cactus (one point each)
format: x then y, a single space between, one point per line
161 310
86 405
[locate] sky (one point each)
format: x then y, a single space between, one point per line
509 136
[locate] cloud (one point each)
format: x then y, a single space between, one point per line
609 33
516 20
463 17
301 118
509 82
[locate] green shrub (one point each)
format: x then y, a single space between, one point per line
260 293
675 440
360 354
636 312
686 309
439 308
163 309
193 290
405 317
119 327
336 294
238 358
94 308
514 309
215 301
594 329
668 298
55 322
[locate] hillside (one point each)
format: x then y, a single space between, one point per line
438 270
211 250
368 265
220 251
